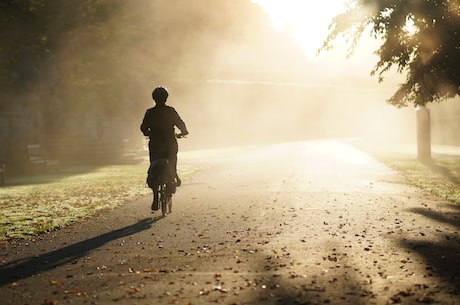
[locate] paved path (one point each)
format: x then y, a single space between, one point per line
296 223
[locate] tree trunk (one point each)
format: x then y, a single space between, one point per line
423 134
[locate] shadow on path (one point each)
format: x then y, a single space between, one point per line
338 286
442 255
23 268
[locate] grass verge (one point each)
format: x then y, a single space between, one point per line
440 177
41 203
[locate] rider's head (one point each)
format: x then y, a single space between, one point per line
160 95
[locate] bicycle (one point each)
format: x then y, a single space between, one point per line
161 181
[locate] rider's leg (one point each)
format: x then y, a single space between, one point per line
153 155
155 205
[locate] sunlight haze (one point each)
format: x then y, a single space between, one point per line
239 73
306 21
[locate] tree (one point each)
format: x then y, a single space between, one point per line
419 37
107 55
118 48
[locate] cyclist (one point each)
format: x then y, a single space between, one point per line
158 124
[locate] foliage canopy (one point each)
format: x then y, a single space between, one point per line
119 48
419 37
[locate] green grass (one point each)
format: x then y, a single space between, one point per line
41 203
440 177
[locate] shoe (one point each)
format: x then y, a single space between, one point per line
154 206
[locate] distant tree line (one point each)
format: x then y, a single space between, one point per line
117 48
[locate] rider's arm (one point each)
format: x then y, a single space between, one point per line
181 125
144 127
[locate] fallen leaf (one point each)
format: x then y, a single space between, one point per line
133 290
425 299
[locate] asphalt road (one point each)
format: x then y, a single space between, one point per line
315 222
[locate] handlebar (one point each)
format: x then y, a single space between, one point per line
180 135
177 135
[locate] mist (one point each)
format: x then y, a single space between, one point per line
254 85
232 77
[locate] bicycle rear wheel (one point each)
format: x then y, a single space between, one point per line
169 203
163 200
166 204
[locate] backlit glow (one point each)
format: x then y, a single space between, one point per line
307 21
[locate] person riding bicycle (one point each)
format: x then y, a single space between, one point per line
158 124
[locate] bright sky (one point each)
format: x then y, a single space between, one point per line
306 20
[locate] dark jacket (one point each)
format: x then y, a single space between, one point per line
158 125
